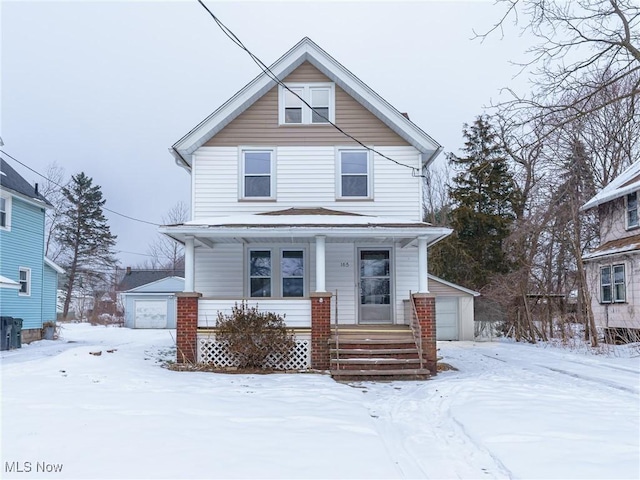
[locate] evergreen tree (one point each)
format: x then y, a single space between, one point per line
84 232
486 203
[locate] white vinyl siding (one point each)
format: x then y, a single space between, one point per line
220 271
299 171
296 311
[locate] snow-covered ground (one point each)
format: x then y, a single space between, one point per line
510 411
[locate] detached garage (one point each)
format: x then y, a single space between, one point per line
152 305
454 310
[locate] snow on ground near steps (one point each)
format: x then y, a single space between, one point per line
511 411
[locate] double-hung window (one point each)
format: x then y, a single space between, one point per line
25 281
296 99
5 212
258 177
266 280
632 210
612 284
354 174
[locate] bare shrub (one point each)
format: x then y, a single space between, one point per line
254 337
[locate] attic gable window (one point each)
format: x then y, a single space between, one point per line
632 210
294 111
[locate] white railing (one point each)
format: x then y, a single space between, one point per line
296 312
416 328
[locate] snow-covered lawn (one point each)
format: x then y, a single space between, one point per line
510 411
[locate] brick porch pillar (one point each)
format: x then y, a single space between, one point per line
426 309
320 329
187 327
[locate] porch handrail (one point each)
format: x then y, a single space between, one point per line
336 333
416 329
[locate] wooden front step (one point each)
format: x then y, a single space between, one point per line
370 352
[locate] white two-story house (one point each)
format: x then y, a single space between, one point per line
613 269
292 214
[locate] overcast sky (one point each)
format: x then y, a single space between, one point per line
107 87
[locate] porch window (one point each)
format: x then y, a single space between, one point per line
354 173
632 210
25 282
612 284
292 271
260 273
257 174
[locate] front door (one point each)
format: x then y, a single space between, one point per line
374 267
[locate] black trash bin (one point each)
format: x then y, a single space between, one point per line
16 333
6 325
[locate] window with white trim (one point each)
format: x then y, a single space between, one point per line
260 272
5 212
292 273
632 210
267 280
294 111
612 284
25 281
354 174
257 177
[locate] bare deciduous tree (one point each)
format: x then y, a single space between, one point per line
583 46
52 191
165 252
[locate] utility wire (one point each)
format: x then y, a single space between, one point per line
415 172
61 186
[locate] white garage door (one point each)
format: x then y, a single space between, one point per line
447 318
150 314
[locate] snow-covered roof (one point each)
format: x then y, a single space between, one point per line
620 245
164 285
304 51
8 283
305 223
625 183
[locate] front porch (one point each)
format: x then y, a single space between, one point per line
320 272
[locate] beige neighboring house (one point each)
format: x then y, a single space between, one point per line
613 269
291 215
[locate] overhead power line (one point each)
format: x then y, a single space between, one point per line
61 186
265 69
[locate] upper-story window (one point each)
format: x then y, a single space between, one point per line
354 176
294 111
25 281
5 212
612 284
632 210
257 174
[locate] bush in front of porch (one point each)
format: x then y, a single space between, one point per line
253 337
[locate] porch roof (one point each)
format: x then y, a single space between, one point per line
336 226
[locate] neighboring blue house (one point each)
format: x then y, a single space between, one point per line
28 280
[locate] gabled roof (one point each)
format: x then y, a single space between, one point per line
136 278
625 183
164 285
453 285
13 181
304 51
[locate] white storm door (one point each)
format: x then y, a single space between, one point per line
375 286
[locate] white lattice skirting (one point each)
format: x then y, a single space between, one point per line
211 351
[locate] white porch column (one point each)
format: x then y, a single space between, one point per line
189 264
320 264
423 279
